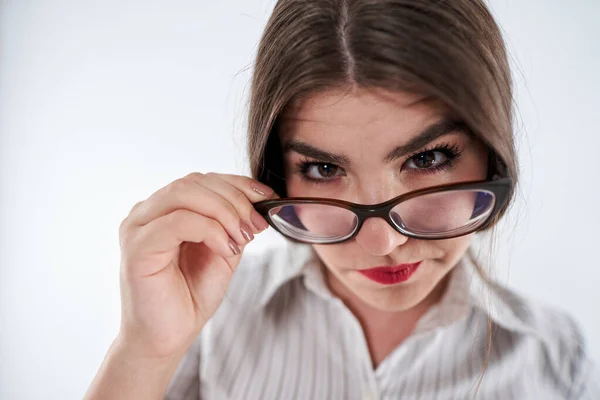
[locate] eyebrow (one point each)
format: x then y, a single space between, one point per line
443 127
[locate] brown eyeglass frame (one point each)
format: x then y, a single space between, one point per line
499 187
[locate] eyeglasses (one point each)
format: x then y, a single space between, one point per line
438 212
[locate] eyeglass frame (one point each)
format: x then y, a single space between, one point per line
501 189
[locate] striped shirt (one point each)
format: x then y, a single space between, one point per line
281 334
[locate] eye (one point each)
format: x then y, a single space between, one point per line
321 171
426 160
318 172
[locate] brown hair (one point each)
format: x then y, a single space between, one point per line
449 50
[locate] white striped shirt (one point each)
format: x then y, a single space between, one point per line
281 334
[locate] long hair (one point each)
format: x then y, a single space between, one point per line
449 50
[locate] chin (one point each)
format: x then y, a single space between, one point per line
393 299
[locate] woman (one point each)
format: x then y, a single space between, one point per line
380 142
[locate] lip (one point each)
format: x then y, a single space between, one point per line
388 275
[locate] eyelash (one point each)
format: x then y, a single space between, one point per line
451 151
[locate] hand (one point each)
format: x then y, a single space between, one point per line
179 250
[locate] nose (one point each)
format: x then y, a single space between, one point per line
378 238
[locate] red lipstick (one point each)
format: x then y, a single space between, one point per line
390 275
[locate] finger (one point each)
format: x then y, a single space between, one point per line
225 186
187 194
167 232
253 189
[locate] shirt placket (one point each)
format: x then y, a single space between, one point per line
360 352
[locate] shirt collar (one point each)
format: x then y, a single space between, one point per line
287 264
466 290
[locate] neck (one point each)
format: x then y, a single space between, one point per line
384 330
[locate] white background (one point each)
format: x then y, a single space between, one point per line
102 103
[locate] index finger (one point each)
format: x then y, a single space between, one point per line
253 189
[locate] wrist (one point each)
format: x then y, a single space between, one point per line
133 350
128 372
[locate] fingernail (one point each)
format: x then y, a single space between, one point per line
261 189
234 247
246 231
258 221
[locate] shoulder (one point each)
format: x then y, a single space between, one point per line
549 332
549 324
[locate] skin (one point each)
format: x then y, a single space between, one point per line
179 250
364 126
181 246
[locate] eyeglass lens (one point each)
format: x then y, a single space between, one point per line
435 214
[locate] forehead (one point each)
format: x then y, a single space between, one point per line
346 117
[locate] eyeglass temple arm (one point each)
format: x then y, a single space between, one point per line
496 167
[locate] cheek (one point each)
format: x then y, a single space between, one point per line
298 187
293 182
341 256
440 212
293 185
453 249
349 255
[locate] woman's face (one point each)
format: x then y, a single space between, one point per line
339 145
